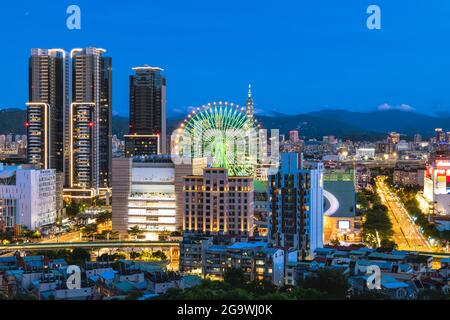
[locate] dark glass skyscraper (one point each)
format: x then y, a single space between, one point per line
147 133
47 106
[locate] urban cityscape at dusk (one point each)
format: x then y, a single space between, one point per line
215 151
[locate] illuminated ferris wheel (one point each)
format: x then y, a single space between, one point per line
223 133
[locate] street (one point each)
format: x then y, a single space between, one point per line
72 236
406 233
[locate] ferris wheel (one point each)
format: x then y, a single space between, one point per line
221 132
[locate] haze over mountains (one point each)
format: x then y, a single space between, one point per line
338 122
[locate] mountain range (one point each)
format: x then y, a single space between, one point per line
338 122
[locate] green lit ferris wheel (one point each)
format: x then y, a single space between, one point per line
224 134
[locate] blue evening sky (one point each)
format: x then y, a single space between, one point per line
299 55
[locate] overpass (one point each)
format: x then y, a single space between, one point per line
91 245
388 163
439 255
163 245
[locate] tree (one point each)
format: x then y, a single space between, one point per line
113 235
159 255
134 255
119 256
73 209
7 235
261 288
308 294
329 281
376 224
335 242
89 230
79 256
370 295
36 235
103 217
387 245
135 231
234 277
432 294
134 295
362 200
23 296
145 255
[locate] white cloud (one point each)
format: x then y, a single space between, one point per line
402 107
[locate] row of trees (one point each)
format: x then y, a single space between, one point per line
408 197
148 255
377 227
76 256
8 235
325 284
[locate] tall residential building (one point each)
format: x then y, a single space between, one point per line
91 123
27 196
144 195
147 134
250 106
217 203
293 136
440 135
296 206
417 138
48 104
394 137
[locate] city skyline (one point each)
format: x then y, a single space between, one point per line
368 70
225 151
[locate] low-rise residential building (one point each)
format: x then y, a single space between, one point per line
212 256
407 175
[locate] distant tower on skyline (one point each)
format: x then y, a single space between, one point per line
250 106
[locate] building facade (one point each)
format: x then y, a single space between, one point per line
90 123
217 203
27 196
212 256
145 195
47 107
437 185
409 175
295 206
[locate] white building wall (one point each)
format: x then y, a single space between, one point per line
152 202
35 192
278 268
